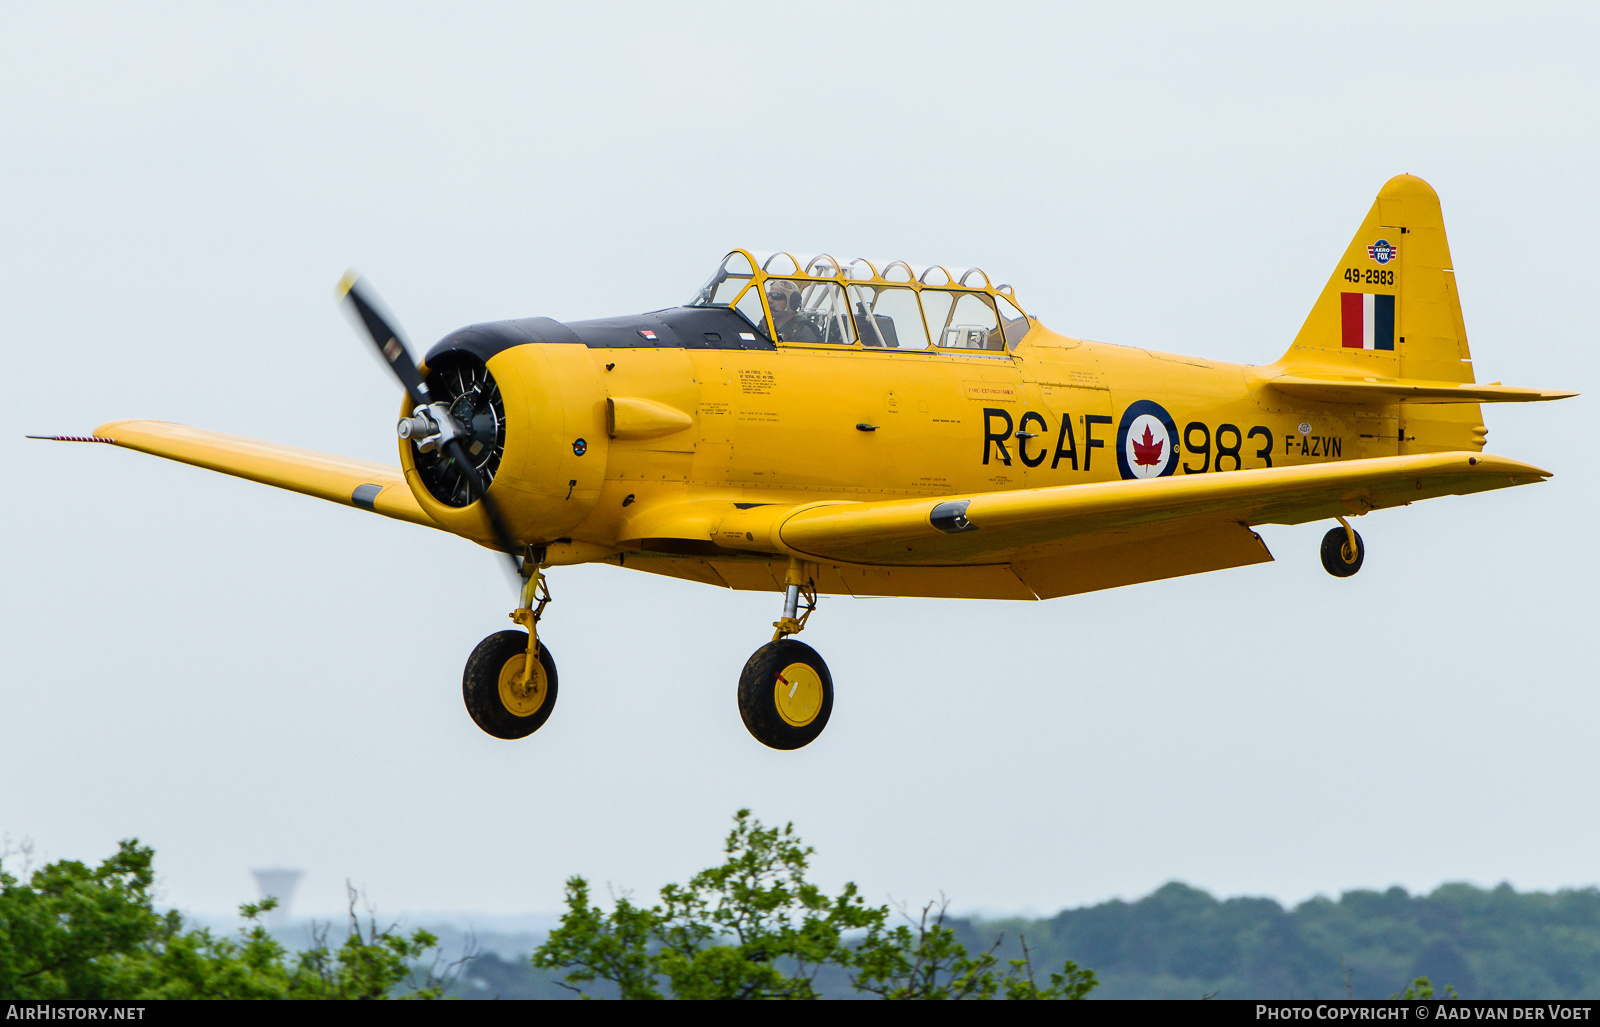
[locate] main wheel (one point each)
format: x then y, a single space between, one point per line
1337 557
489 686
785 694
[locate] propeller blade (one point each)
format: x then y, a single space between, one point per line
502 533
391 347
393 350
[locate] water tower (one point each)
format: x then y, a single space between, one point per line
279 884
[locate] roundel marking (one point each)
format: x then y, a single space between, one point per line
579 447
1147 441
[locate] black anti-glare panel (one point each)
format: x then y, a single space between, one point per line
675 327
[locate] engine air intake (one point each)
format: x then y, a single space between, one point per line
463 383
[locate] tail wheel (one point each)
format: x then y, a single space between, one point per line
1338 558
498 701
785 694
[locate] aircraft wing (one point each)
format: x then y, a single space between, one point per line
340 479
1007 527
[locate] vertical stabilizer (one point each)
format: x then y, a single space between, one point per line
1390 308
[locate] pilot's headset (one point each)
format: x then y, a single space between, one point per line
788 290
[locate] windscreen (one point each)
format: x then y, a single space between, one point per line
733 287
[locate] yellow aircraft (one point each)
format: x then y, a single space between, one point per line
809 426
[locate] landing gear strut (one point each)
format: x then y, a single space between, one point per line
510 681
1342 550
785 691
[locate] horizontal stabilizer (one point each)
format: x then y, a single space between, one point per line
1333 388
338 479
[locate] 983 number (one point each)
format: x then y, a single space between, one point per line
1229 439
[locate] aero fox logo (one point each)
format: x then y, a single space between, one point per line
1147 441
1383 251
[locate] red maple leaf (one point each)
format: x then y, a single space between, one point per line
1148 452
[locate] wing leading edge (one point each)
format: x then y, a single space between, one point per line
1000 527
1042 543
339 479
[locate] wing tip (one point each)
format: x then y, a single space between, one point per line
1488 463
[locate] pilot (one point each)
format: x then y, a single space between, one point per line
783 297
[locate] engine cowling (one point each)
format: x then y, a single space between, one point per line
534 420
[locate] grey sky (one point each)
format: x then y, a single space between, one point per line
245 677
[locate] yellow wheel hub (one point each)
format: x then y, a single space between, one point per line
522 700
798 694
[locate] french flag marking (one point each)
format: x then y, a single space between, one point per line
1366 320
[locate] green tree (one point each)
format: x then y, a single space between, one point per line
922 960
754 927
72 932
68 932
1422 988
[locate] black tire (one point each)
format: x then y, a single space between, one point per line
498 657
759 703
1336 556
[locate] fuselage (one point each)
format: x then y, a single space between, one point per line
607 419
